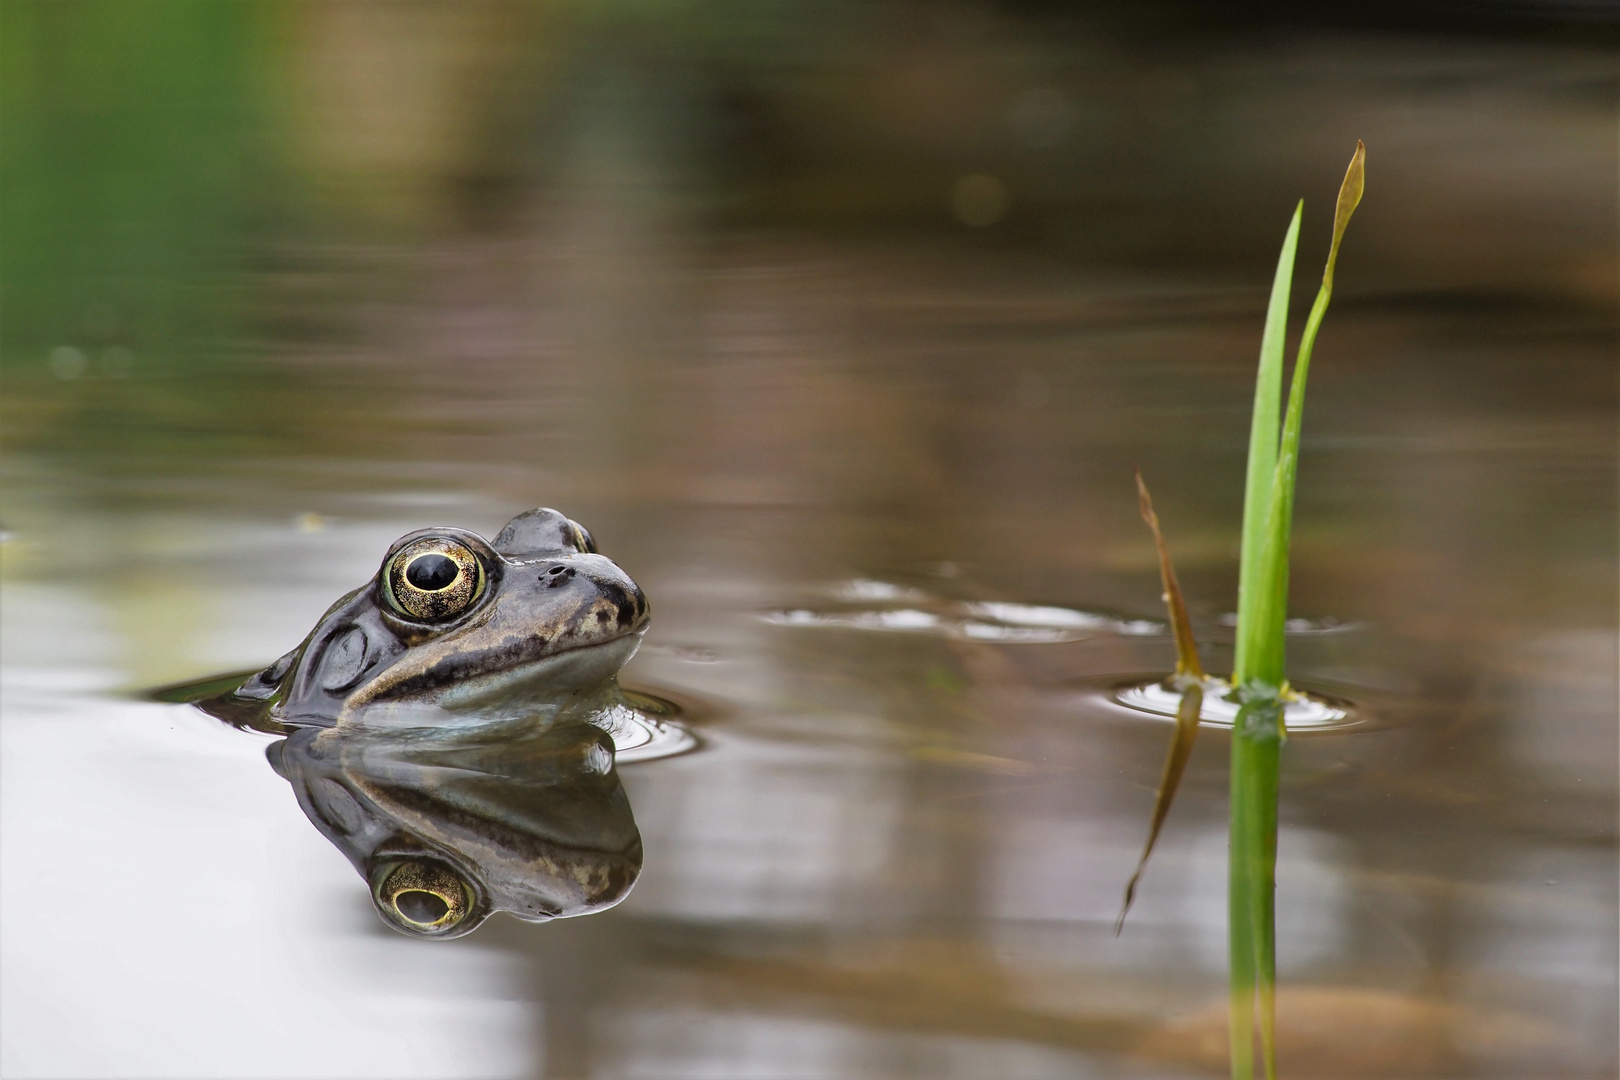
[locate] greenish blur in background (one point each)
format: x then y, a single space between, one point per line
180 178
860 308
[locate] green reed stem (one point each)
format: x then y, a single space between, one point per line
1251 883
1259 676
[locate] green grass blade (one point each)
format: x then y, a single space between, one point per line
1269 610
1263 437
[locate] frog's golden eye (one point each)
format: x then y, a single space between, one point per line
433 578
423 896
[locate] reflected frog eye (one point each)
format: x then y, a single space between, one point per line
433 578
423 896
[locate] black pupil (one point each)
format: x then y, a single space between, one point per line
430 573
421 907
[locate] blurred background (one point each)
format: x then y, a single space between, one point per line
845 309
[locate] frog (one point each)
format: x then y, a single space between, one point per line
536 620
448 725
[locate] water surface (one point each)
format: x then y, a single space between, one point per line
326 275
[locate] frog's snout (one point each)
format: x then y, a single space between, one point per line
610 602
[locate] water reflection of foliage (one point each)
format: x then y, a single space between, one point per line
139 185
128 152
163 162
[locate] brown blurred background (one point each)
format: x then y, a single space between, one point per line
779 296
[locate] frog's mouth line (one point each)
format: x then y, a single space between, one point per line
552 675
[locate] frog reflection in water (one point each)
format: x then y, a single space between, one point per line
446 729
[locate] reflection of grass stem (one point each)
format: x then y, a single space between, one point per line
1259 678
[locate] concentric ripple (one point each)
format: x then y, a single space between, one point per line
646 727
1304 712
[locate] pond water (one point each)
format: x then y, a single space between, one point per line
843 337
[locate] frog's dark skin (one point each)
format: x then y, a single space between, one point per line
554 621
440 735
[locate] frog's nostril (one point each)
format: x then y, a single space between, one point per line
558 574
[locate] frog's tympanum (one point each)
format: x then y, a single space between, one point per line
448 726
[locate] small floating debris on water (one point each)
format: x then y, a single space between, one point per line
1303 711
999 622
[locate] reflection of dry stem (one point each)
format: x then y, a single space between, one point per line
1189 679
1175 763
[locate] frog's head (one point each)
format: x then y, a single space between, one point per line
454 621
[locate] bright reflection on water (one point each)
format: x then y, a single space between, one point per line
1304 712
842 330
